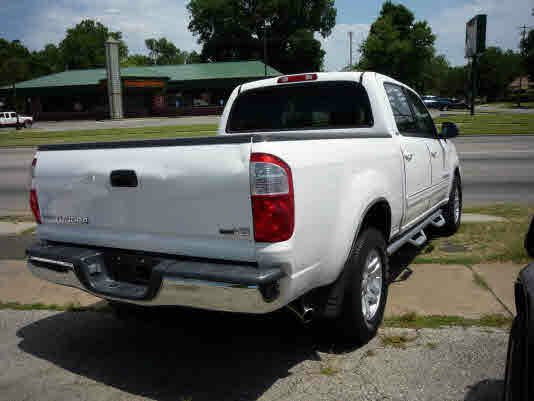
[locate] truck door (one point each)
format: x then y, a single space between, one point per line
12 120
415 154
436 146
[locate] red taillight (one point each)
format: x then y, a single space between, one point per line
34 205
272 198
34 201
297 78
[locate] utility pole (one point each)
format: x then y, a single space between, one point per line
266 24
350 49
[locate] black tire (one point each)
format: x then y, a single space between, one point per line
453 220
515 361
353 326
27 124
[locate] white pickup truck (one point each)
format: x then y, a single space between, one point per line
312 181
12 119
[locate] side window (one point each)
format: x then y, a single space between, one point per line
401 109
423 120
13 115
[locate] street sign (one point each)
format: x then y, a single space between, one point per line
475 35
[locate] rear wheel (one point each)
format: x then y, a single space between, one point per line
452 212
366 288
27 124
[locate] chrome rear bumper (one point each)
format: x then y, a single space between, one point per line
212 286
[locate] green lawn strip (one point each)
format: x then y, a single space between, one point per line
72 307
415 321
36 137
483 242
16 219
512 105
491 123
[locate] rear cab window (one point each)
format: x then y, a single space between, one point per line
306 106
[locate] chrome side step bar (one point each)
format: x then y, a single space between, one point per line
419 239
439 222
416 236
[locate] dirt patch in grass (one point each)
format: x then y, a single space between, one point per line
483 242
400 341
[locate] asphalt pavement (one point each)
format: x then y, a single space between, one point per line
495 169
50 356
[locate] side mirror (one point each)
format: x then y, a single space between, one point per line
529 239
449 130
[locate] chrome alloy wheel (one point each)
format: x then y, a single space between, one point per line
456 204
371 285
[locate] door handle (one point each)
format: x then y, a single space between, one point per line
408 156
434 154
123 178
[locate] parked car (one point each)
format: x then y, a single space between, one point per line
12 119
435 102
458 104
520 360
312 181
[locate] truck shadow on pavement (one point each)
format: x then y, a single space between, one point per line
199 356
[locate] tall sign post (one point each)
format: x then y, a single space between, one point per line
114 79
475 44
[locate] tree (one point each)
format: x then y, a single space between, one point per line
235 30
136 60
15 61
496 70
527 51
83 46
398 46
435 75
193 58
49 60
164 52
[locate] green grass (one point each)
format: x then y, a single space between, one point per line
512 105
53 307
496 123
490 123
328 371
33 137
484 242
415 321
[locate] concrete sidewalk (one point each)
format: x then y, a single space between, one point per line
428 290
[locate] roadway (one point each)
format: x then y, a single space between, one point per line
495 169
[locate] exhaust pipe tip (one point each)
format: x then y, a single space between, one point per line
303 312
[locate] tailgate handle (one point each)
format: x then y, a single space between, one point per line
123 178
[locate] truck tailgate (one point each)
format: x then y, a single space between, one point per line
191 200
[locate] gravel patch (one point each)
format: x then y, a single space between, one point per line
213 356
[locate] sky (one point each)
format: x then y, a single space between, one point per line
38 22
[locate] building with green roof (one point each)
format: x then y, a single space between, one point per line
187 89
